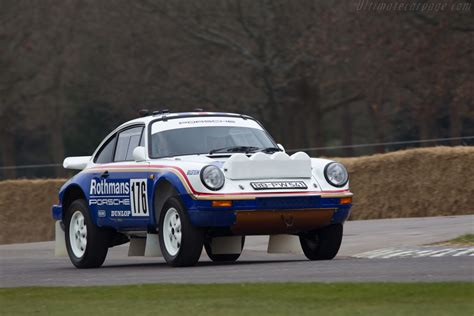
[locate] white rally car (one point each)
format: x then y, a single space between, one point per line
171 183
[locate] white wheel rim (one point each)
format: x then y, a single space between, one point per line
78 234
172 231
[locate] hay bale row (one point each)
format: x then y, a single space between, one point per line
411 183
25 210
435 181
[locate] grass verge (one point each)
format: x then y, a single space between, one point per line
463 240
244 299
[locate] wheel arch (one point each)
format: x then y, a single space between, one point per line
71 193
164 189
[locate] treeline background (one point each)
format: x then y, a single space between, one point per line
315 73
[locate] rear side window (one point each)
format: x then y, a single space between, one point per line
127 141
106 153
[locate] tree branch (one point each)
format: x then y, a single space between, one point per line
344 102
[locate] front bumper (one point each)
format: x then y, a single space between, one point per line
269 215
57 212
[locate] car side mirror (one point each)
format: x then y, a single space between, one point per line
77 163
139 154
281 147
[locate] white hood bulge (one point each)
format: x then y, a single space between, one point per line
263 166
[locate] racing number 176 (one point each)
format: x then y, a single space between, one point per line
139 197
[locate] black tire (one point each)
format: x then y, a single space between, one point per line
222 258
192 238
97 238
322 244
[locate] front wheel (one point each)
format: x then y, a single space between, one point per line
322 244
180 242
86 244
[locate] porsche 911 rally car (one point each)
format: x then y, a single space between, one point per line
171 183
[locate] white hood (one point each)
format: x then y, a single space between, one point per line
261 166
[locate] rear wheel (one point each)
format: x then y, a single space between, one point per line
222 257
322 244
180 242
86 244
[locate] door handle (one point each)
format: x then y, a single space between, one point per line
105 174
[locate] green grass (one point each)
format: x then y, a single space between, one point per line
244 299
464 240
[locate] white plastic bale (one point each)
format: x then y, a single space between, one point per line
300 156
259 156
137 247
59 241
152 246
284 244
279 155
226 245
238 157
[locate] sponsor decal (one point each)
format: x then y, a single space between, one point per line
192 172
207 121
104 187
109 201
120 213
279 185
130 194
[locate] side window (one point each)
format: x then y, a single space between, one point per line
106 153
127 141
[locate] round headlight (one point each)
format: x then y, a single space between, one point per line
212 177
336 174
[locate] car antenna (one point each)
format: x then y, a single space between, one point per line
198 110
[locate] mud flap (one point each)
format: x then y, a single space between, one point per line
59 241
226 245
152 247
284 244
148 247
137 247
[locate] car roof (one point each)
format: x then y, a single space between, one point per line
162 116
165 116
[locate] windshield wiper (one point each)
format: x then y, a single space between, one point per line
270 150
234 149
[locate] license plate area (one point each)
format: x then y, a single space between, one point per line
279 185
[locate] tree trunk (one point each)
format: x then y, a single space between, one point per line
455 122
312 115
424 124
7 141
300 136
276 127
8 154
378 122
318 140
56 136
292 131
347 130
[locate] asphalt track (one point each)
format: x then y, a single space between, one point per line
34 264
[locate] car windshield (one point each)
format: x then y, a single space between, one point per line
209 139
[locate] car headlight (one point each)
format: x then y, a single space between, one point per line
336 174
212 177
